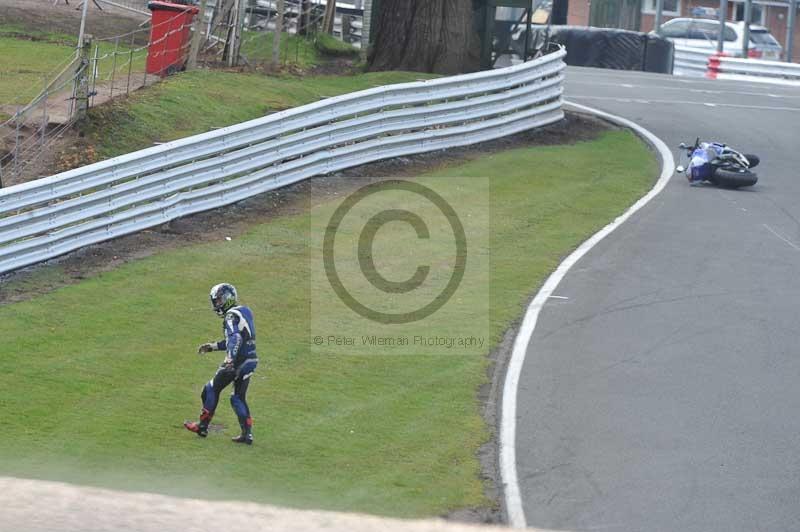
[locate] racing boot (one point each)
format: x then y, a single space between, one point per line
201 427
247 433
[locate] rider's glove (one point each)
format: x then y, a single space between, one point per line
206 348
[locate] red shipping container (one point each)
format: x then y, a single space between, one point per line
170 36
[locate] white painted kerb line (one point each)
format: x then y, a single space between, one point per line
508 419
774 232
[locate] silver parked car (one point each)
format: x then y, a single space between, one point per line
704 33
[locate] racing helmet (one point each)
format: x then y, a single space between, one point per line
223 298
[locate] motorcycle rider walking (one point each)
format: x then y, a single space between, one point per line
239 342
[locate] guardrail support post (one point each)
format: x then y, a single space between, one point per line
790 23
723 16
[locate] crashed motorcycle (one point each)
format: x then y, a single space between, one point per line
718 164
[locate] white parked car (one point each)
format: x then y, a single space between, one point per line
704 33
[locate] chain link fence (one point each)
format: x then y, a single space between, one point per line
102 70
303 18
109 67
30 130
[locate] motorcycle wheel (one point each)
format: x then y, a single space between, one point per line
732 179
753 159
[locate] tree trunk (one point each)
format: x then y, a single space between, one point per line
305 17
330 16
426 36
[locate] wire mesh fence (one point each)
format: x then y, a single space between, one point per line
104 69
302 18
114 66
29 130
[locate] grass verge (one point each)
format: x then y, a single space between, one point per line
296 50
330 46
30 59
99 375
26 66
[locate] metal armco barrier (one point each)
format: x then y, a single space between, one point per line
721 67
701 62
691 62
48 217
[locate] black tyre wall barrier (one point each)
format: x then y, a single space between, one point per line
612 48
658 55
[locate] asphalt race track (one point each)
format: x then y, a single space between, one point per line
664 393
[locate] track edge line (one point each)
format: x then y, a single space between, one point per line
508 409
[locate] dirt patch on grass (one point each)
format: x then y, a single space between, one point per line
337 66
